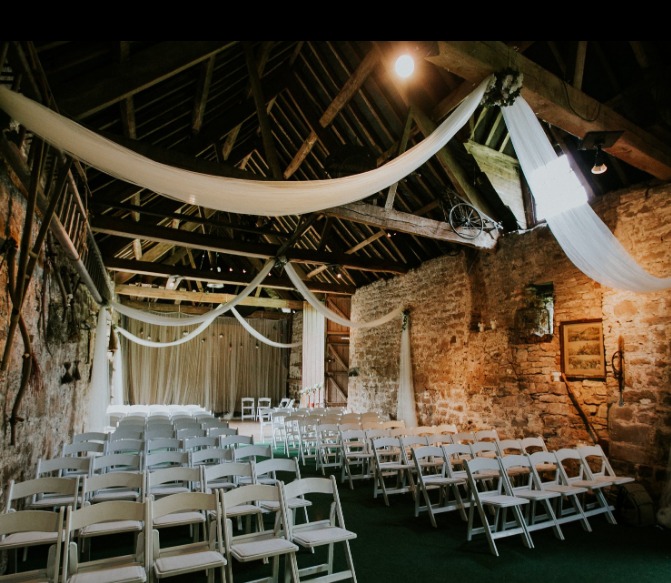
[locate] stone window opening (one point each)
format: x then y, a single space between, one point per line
534 319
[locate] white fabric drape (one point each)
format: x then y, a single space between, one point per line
99 395
314 326
251 197
405 408
330 314
583 236
118 378
247 326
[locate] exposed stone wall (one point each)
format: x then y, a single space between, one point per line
496 378
57 313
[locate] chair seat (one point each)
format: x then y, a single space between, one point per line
438 480
51 501
120 574
167 490
114 494
243 510
112 527
168 566
317 535
292 503
179 518
261 547
503 500
22 539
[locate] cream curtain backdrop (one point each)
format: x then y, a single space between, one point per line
215 370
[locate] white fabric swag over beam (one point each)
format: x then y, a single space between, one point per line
582 235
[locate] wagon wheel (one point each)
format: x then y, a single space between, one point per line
466 221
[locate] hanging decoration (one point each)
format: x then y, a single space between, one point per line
330 314
260 336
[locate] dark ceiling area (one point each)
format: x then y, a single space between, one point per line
307 110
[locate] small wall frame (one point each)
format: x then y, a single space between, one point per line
582 349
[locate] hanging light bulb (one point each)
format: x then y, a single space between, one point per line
404 66
599 161
216 268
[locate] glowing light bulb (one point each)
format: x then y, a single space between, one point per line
405 66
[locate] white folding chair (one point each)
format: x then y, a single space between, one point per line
166 481
392 474
329 447
116 462
83 448
210 456
546 475
491 499
598 466
113 486
205 554
116 565
247 409
573 471
357 457
273 471
200 442
265 544
47 493
227 474
539 513
277 418
166 459
321 530
64 466
308 439
257 452
433 481
95 436
24 529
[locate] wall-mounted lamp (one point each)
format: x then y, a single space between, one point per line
599 163
597 141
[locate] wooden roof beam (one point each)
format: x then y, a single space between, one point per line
556 102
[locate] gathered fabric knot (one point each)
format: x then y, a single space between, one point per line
504 87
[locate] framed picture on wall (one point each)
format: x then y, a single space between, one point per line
582 349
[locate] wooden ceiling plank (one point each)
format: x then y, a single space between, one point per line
349 89
556 102
208 298
91 93
261 113
129 229
202 92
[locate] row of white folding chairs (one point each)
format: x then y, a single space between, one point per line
206 510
